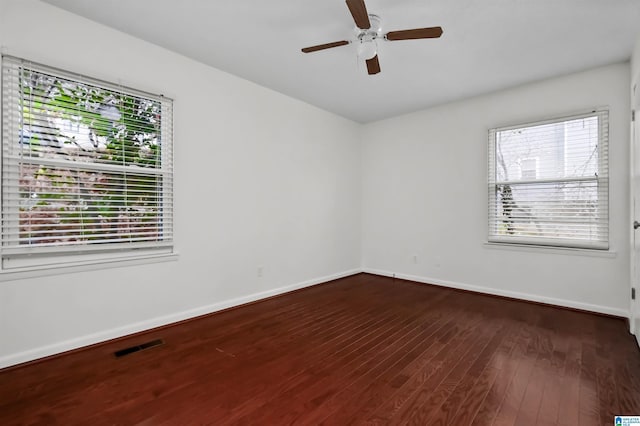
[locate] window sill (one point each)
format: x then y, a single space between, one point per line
46 271
551 250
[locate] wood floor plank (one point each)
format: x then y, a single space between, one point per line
589 413
360 350
530 406
266 373
476 396
434 410
493 396
461 407
448 354
627 384
327 378
553 389
344 339
336 384
377 382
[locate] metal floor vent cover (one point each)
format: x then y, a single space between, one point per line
137 348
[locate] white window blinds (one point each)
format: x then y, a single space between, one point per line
548 182
86 165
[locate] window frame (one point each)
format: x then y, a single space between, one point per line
601 179
16 262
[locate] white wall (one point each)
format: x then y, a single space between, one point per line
635 62
277 182
425 194
635 95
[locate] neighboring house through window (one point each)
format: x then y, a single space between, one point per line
529 168
87 169
548 182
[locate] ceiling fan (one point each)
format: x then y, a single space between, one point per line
368 30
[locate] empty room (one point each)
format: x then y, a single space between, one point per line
320 212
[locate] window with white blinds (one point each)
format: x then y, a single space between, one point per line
87 168
548 182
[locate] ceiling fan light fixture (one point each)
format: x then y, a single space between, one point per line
367 49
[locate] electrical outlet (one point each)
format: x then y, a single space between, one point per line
260 271
415 258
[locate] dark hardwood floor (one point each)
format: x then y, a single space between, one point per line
360 350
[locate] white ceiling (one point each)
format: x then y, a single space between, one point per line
487 44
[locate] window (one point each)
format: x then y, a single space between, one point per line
548 182
87 169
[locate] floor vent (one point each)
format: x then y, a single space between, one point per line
132 349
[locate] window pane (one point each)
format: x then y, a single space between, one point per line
62 206
72 121
549 151
562 210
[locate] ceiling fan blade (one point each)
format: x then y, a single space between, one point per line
324 46
373 65
359 12
432 32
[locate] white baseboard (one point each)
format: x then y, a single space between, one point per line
102 336
506 293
